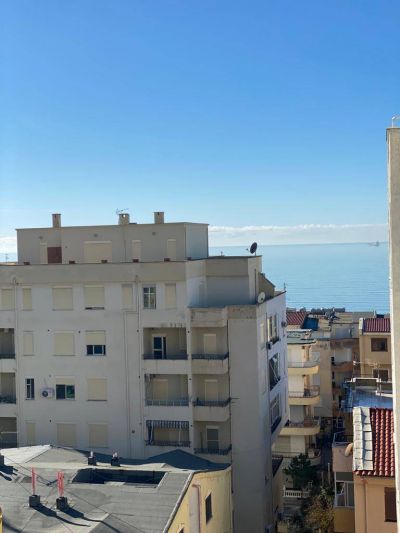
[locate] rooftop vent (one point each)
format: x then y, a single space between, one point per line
158 217
123 218
56 220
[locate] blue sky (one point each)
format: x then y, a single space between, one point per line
241 114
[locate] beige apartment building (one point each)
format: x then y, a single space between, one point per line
375 348
130 338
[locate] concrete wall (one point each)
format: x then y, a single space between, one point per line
369 505
370 360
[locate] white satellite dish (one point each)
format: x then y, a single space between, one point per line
261 297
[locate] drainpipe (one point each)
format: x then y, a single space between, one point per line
198 488
16 350
365 506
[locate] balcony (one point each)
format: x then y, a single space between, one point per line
211 411
169 357
213 451
176 363
210 363
7 355
308 396
180 402
307 427
303 368
343 367
169 443
313 454
215 317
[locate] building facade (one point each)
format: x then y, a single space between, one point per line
130 338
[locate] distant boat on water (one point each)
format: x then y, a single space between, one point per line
377 243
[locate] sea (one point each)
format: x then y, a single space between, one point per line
354 276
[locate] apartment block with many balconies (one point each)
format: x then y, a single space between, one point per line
130 338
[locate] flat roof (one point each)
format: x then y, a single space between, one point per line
117 225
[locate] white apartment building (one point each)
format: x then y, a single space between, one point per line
393 145
130 338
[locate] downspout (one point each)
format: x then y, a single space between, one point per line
365 506
140 346
127 389
16 350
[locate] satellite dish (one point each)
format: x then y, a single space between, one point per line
261 297
253 248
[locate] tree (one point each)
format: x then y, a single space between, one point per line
301 471
318 514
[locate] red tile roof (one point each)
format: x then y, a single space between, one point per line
296 318
382 425
376 325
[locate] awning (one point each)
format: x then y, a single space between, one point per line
168 424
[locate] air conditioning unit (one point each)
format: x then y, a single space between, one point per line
47 392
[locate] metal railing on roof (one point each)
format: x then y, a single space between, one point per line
308 392
168 357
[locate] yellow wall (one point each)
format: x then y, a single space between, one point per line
219 485
344 520
369 505
379 359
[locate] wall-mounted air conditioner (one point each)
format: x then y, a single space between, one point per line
47 392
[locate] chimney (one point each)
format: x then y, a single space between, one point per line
123 219
56 220
158 217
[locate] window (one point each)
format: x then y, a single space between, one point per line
208 508
95 343
170 296
97 252
274 371
262 334
98 435
97 389
379 345
29 389
94 297
171 249
159 347
27 338
64 343
344 489
390 504
136 250
7 299
275 410
30 433
27 299
127 296
66 435
54 255
210 343
381 374
149 297
62 298
212 434
65 391
272 324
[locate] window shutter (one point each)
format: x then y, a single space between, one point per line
94 297
210 343
66 435
137 250
170 296
28 342
98 435
97 389
64 343
127 296
390 504
62 298
96 252
30 433
65 381
171 249
7 298
27 299
96 337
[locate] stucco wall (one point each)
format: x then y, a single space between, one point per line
369 499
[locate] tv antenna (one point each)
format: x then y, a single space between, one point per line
253 248
120 211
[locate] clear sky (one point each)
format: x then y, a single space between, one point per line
261 114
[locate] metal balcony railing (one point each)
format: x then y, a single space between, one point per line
8 399
170 357
211 403
306 423
304 364
173 443
309 392
213 451
167 403
276 462
7 355
210 356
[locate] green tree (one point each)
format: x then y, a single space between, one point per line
318 513
301 471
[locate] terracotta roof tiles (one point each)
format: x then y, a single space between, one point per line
296 318
376 325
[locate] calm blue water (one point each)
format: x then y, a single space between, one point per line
354 276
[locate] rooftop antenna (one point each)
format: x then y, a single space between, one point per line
119 211
395 119
253 248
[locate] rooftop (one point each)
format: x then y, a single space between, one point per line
376 325
299 336
295 318
373 453
139 497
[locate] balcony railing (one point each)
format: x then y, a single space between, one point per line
213 451
170 357
309 392
7 355
8 399
311 453
176 402
303 364
212 403
173 443
306 423
210 356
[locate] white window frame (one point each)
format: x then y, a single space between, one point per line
29 388
149 294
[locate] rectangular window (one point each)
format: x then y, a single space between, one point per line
64 343
379 345
159 347
344 493
272 324
97 252
27 337
381 374
274 371
149 297
98 436
212 434
54 255
390 504
27 299
29 389
275 410
66 435
136 250
30 433
95 343
94 297
127 296
65 389
7 299
62 298
210 343
171 249
262 334
97 389
208 505
170 296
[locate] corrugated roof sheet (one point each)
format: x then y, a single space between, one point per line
295 318
380 425
376 325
